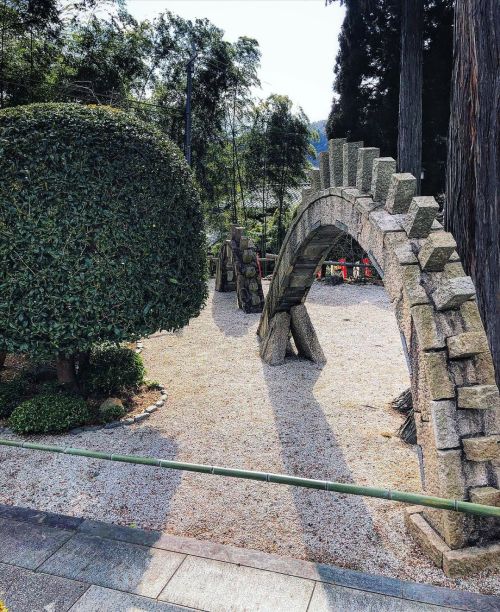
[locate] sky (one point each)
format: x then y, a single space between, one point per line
298 41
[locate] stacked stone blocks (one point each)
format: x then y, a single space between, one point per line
455 398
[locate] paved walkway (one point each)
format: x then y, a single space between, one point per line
55 563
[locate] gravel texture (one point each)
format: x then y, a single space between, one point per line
226 407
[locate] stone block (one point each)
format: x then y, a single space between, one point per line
385 222
383 169
471 560
479 397
414 291
467 344
405 255
420 216
402 189
453 269
444 424
436 251
315 179
453 292
432 545
485 371
336 152
324 169
429 338
471 317
483 448
438 379
366 156
304 335
273 346
489 496
350 161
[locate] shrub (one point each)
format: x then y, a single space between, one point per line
111 410
105 213
11 394
49 413
113 368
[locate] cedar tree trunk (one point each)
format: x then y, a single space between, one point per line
410 90
471 210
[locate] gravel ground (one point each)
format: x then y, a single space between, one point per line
226 407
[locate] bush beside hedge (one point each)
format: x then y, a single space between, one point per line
11 393
105 213
113 369
49 413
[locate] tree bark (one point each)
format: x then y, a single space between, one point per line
3 357
66 373
471 210
410 90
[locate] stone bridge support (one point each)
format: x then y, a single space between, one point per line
237 270
455 398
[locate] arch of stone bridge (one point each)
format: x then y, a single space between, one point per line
455 398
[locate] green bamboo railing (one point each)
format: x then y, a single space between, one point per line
308 483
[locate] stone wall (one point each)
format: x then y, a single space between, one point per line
237 270
455 398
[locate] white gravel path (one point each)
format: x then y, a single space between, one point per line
226 407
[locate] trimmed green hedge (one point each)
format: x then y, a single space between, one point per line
11 393
101 233
113 369
50 413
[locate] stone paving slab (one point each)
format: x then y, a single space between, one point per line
27 591
107 600
116 565
217 587
28 545
328 597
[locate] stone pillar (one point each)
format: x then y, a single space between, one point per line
336 153
315 179
366 157
350 163
324 169
383 169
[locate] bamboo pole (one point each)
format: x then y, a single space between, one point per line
308 483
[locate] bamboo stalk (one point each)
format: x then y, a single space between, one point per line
308 483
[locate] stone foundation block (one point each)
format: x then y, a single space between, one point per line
421 214
315 179
436 251
489 496
453 292
485 448
402 189
324 169
425 325
431 543
472 560
471 317
467 344
438 379
444 424
273 347
414 291
304 335
479 397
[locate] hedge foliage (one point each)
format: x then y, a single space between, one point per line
49 413
113 369
101 232
11 393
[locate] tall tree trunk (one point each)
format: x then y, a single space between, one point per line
471 210
410 89
66 373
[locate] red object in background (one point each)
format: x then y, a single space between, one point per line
368 271
343 268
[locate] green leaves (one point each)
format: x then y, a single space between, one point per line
105 241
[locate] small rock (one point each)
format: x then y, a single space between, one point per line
159 403
140 345
92 428
76 431
112 425
111 401
164 396
151 409
127 421
141 417
138 350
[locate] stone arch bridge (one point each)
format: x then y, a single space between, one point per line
455 398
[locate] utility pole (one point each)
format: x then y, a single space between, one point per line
187 119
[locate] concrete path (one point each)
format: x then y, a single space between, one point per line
55 563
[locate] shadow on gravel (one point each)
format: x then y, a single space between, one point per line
228 317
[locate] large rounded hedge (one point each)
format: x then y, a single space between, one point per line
101 232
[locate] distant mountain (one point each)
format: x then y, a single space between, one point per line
322 143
